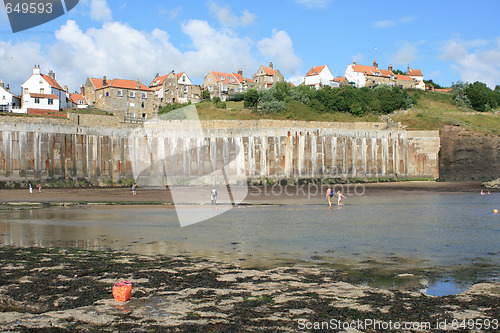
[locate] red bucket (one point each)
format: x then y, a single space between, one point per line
122 291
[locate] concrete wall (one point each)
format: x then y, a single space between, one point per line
183 152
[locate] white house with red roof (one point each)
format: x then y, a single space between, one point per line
42 91
79 100
8 101
175 88
266 77
222 85
415 74
319 77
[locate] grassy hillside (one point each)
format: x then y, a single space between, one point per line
431 110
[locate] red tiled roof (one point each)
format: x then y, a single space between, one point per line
32 95
415 72
77 97
315 70
404 77
158 81
339 79
371 70
120 83
269 71
98 83
443 90
241 78
225 77
179 75
53 83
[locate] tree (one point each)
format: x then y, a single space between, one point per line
480 96
458 91
205 94
251 98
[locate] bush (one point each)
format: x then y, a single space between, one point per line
236 98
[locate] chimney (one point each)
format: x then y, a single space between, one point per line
157 74
8 88
240 72
36 70
375 64
82 89
104 81
138 84
52 75
390 67
271 65
66 89
1 83
408 69
354 63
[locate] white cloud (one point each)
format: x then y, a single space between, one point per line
384 24
406 54
279 49
226 18
17 61
392 23
314 3
475 60
100 11
216 50
171 13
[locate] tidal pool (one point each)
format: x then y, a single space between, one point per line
442 231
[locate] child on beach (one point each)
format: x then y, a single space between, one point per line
340 196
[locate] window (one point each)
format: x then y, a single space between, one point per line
107 93
42 91
144 95
183 78
119 92
51 101
3 97
37 100
26 90
131 94
41 82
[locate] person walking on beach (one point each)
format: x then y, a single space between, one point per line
329 196
39 187
31 189
213 197
134 190
339 199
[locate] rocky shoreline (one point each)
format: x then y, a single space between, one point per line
69 290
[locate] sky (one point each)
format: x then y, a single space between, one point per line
449 41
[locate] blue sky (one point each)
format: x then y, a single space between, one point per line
448 40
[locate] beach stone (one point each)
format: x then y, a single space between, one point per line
492 184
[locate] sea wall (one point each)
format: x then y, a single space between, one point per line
180 152
467 156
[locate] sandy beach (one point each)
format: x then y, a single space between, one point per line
254 194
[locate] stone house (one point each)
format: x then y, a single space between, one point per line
369 76
266 77
8 101
124 98
42 92
175 88
223 85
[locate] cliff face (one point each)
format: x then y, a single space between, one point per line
465 156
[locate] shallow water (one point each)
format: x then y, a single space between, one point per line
407 231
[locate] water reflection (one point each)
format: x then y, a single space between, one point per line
398 231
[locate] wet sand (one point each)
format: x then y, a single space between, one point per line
256 194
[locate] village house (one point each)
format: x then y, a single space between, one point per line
223 85
370 76
319 77
266 77
42 92
124 98
79 99
175 88
8 101
341 81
